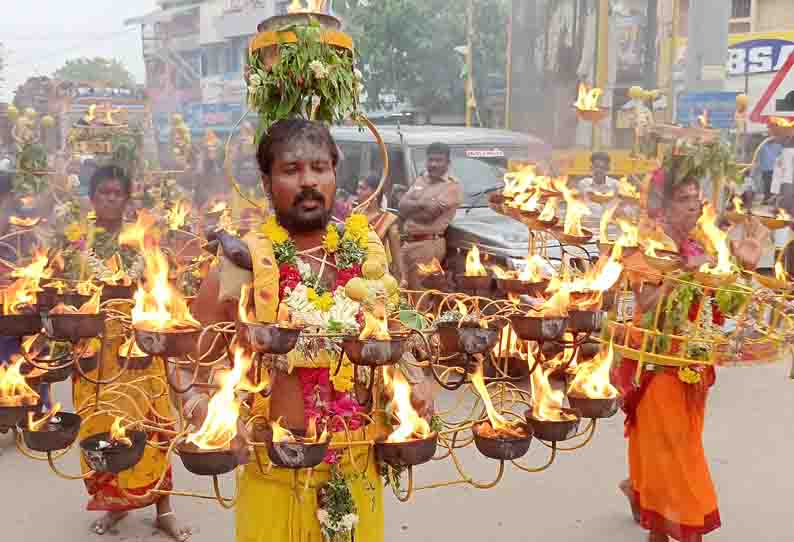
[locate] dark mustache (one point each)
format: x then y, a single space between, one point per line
308 195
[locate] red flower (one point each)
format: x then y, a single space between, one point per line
717 318
289 277
694 307
346 275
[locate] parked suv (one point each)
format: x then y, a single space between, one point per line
479 161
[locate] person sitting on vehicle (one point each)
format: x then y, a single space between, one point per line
427 209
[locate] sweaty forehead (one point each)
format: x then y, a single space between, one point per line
302 150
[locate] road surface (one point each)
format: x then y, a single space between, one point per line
748 439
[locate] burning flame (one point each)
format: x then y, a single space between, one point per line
591 378
24 222
557 305
575 209
782 214
474 266
280 434
781 122
498 423
411 424
37 269
20 295
118 433
220 425
89 307
177 215
549 210
117 276
588 98
376 324
780 272
519 182
218 207
130 349
719 243
434 267
606 220
509 345
535 270
627 190
738 206
651 246
158 305
546 402
703 120
14 389
36 425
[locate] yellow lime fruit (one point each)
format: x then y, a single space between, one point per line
357 289
636 93
373 270
390 284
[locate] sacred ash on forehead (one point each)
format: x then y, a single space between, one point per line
304 149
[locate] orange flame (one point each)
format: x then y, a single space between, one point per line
781 122
588 98
24 222
14 389
432 268
412 426
158 305
218 207
627 190
498 423
509 345
18 296
546 402
519 182
280 434
36 425
220 425
591 378
376 324
535 270
37 269
244 306
474 266
651 246
177 215
575 209
130 349
782 214
606 220
718 240
780 272
738 205
549 210
118 433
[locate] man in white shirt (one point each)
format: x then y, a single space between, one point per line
599 182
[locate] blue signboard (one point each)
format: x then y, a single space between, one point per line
721 107
758 56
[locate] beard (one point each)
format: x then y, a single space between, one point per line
295 219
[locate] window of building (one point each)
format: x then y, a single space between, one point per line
742 9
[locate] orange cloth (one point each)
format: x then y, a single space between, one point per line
667 464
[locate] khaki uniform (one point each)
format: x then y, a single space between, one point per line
426 226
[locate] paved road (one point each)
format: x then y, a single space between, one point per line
748 439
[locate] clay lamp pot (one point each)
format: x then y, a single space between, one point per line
501 445
522 287
409 453
14 414
584 321
20 325
57 433
558 430
202 462
296 454
594 408
169 343
110 291
73 326
474 283
538 328
374 352
269 338
105 455
569 239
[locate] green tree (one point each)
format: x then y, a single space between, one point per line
408 47
109 70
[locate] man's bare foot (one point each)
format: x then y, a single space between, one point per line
167 523
628 491
106 523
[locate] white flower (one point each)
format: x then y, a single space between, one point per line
305 270
320 70
255 80
358 75
349 521
322 516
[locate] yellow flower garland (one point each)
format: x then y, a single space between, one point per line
357 229
323 303
689 375
274 231
343 380
331 239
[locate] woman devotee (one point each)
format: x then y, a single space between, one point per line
384 223
298 160
670 489
117 495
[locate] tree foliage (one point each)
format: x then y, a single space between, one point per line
407 47
109 70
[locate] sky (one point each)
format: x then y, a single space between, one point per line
40 35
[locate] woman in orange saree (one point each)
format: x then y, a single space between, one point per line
669 487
